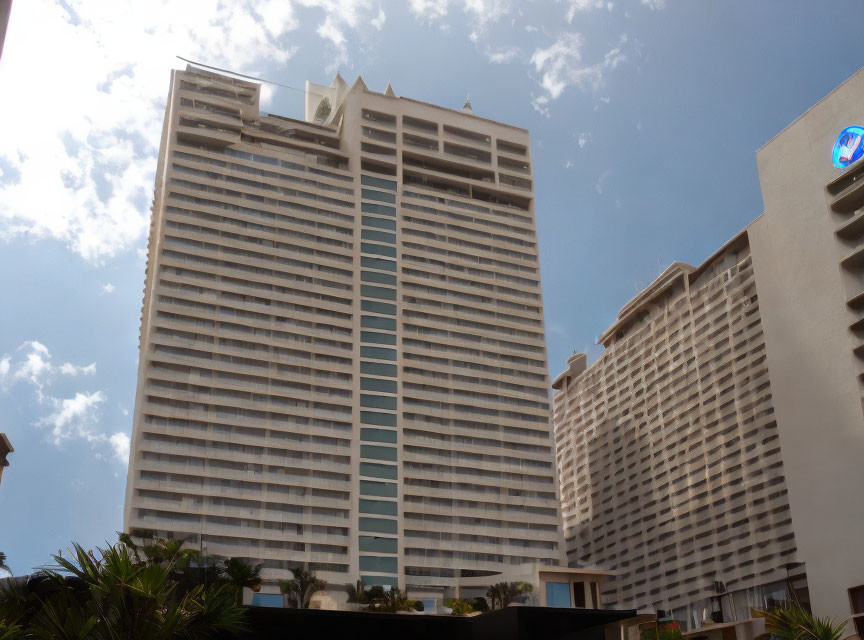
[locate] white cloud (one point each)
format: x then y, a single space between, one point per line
583 139
654 4
486 12
539 103
120 443
68 418
74 417
96 115
560 65
601 181
34 364
341 16
575 6
69 369
429 10
108 288
503 55
379 20
329 31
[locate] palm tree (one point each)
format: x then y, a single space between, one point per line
494 595
301 587
112 596
504 593
239 574
357 594
794 622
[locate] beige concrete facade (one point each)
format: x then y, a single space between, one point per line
719 437
342 356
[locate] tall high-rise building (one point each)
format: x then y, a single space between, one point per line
342 357
712 455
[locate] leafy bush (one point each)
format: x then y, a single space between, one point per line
480 604
668 631
115 594
459 607
796 623
392 601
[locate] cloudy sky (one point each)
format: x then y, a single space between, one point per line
645 117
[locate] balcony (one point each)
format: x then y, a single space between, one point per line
471 137
380 136
853 228
855 258
201 134
420 142
846 193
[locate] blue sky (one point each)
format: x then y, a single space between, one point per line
645 117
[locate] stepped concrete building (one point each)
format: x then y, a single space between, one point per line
342 356
712 455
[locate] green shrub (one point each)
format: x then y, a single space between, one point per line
460 607
479 603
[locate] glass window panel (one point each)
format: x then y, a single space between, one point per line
377 263
377 338
380 564
383 209
380 489
274 600
381 196
377 435
378 369
377 544
557 594
379 353
376 384
371 181
378 419
377 402
378 507
378 307
371 291
377 452
378 525
381 223
375 470
374 322
378 236
378 249
380 278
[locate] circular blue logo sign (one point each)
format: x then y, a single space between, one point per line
849 147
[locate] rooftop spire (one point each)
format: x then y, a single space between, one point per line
389 91
467 106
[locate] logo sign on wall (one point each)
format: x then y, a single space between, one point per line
849 147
